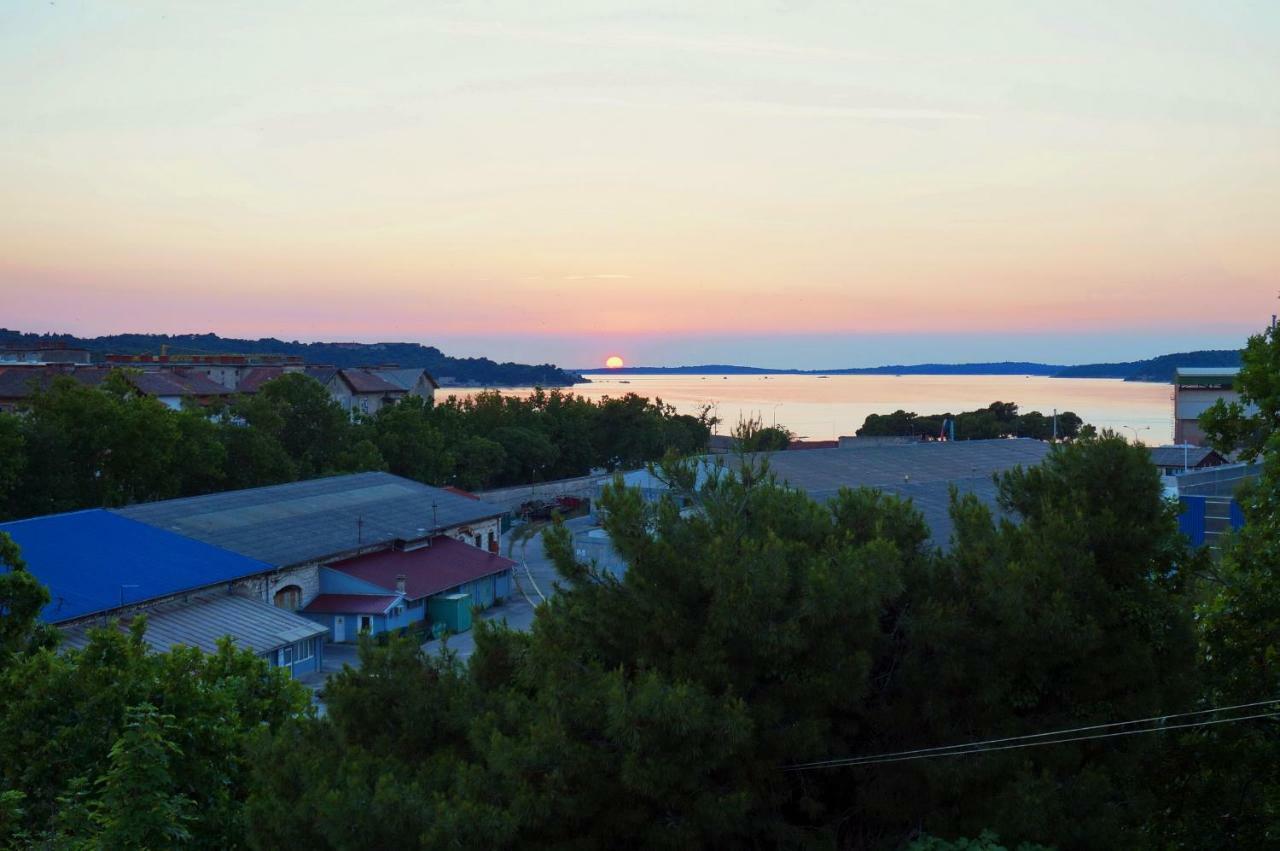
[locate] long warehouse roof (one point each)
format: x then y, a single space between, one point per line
317 519
97 560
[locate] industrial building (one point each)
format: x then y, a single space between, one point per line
1195 390
925 472
100 567
251 564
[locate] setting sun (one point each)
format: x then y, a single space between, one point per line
613 362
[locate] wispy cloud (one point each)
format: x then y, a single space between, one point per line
726 43
866 113
601 277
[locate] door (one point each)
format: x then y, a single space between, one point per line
339 628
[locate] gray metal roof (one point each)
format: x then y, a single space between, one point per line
200 622
924 472
314 520
921 472
404 378
1176 456
881 466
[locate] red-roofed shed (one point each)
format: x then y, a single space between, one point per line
443 567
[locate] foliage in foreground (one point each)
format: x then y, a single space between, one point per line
113 746
766 630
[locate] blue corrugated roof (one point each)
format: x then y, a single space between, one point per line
92 560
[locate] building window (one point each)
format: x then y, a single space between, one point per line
286 656
305 650
366 623
289 598
491 541
477 542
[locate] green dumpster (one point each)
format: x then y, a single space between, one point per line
452 610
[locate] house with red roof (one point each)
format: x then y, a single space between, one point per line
385 590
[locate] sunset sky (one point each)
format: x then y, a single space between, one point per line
812 184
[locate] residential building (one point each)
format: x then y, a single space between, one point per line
43 354
417 382
228 370
361 391
173 388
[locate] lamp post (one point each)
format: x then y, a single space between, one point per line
1135 430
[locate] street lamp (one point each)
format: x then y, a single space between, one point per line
1135 430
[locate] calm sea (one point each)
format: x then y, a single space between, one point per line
825 408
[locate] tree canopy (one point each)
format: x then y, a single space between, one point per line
999 419
76 447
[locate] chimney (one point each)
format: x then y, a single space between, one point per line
400 580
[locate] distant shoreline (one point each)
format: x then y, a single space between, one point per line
1157 370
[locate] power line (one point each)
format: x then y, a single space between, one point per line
1059 737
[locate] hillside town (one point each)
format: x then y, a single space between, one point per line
290 570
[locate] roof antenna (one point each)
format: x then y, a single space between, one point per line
435 524
359 531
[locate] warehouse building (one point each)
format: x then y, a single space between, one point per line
245 563
924 472
408 579
103 568
1195 390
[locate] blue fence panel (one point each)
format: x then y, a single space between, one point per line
1191 520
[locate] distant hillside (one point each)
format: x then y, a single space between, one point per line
1159 369
460 370
1154 369
1002 368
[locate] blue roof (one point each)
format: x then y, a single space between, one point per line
94 560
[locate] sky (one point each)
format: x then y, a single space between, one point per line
788 184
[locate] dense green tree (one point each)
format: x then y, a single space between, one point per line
1225 790
86 446
752 435
1248 424
13 460
411 444
21 599
81 731
1073 611
298 412
999 419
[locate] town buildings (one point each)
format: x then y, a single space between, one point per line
173 388
376 550
206 379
